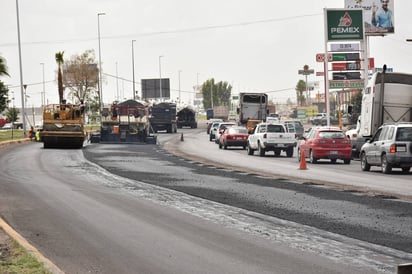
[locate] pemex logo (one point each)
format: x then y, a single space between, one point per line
345 20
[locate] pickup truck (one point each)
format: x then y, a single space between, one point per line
271 137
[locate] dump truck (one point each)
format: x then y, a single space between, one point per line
186 117
163 117
63 126
125 122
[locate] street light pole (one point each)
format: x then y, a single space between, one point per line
179 87
160 77
44 88
21 70
117 84
134 87
100 61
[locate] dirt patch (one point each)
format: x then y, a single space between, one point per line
5 245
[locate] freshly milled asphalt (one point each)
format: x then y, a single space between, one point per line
371 219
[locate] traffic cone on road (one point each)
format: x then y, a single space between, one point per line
302 164
181 137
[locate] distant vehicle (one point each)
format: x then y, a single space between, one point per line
295 126
390 147
213 129
220 128
325 143
346 119
7 126
209 114
271 137
221 112
163 117
252 106
233 136
186 117
317 119
210 122
386 99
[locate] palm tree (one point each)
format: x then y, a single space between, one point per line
3 67
60 61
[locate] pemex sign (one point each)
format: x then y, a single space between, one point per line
344 24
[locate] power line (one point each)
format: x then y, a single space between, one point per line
165 32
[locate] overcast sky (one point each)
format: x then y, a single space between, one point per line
256 46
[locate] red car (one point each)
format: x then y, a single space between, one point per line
326 143
233 136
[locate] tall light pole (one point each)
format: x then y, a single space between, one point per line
100 61
211 91
117 83
134 87
179 87
21 70
44 88
160 77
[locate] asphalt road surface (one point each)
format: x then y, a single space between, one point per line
139 209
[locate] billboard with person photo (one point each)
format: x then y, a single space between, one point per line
378 15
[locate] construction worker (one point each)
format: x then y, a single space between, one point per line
31 133
38 135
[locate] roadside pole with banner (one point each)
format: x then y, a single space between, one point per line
342 25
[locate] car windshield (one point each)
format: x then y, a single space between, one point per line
275 128
404 134
331 134
237 131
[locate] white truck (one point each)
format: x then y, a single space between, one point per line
271 137
386 99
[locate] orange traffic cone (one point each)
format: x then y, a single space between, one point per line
302 164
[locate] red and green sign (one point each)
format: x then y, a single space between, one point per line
344 24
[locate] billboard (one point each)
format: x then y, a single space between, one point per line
344 24
151 88
378 15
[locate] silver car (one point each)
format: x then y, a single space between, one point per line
390 147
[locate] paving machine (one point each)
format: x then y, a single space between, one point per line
125 122
63 126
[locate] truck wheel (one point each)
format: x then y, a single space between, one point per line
365 166
249 150
289 152
386 167
313 160
261 151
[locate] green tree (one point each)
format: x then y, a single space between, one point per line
12 114
3 67
4 99
81 76
220 93
60 61
4 91
300 96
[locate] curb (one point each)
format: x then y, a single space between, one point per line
16 236
29 248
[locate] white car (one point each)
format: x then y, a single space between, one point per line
7 126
